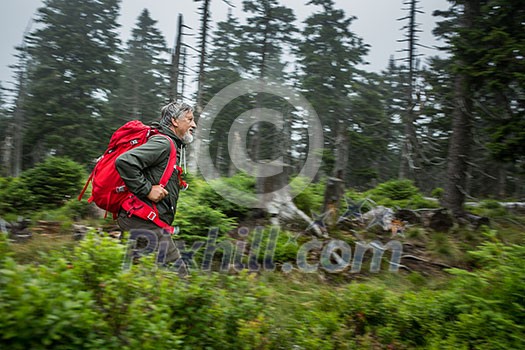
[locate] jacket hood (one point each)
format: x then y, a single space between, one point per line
167 131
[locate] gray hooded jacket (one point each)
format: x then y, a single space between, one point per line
143 166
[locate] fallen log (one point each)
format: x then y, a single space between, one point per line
413 257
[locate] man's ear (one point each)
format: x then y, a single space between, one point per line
175 122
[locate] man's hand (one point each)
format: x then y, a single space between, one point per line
157 193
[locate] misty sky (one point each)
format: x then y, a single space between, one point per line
376 23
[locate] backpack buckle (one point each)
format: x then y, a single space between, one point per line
152 215
120 189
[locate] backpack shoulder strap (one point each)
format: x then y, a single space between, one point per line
166 175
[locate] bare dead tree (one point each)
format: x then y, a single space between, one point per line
175 59
409 158
205 13
205 19
183 72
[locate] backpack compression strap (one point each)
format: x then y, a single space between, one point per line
136 207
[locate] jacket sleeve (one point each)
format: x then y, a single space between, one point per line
131 165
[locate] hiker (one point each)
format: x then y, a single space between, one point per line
142 167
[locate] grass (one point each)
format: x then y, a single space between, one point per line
34 249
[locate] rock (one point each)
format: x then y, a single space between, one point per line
409 216
441 220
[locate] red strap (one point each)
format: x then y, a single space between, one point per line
171 165
183 186
166 175
138 208
85 186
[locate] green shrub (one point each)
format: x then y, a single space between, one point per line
437 192
484 308
195 219
16 197
286 246
399 193
53 182
309 197
490 208
490 204
76 209
241 183
86 300
395 189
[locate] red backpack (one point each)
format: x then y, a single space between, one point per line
109 191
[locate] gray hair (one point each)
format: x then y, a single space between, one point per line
174 110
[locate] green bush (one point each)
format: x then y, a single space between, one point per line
485 308
490 208
15 197
53 182
242 183
195 219
490 204
86 300
437 192
399 193
395 189
286 246
309 197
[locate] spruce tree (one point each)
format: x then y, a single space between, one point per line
485 39
410 157
370 134
144 75
222 70
6 138
73 55
268 31
328 55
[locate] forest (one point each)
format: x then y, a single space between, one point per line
395 219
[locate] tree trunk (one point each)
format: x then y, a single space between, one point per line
6 155
183 73
202 61
409 156
458 151
502 181
336 184
262 182
335 189
175 59
461 138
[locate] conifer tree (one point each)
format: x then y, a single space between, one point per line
6 139
223 69
144 74
370 134
328 55
268 31
485 39
16 127
410 158
73 71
